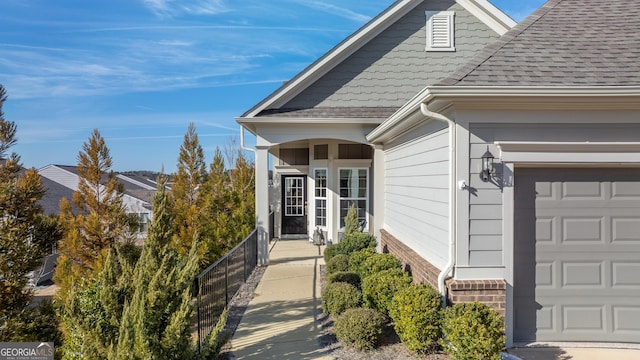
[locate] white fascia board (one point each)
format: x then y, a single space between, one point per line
335 57
493 17
533 91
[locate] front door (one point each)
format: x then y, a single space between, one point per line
294 205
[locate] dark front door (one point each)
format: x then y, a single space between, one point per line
294 205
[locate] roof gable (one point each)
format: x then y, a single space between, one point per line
482 9
564 43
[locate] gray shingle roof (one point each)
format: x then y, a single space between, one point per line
332 112
564 43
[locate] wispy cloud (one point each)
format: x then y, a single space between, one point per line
335 10
171 8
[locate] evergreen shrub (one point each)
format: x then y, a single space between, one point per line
360 328
379 289
337 263
330 251
473 331
356 241
417 315
345 276
357 259
340 296
379 262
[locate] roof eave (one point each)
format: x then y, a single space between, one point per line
439 98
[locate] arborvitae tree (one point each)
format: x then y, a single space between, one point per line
243 184
99 220
143 311
22 244
351 223
188 179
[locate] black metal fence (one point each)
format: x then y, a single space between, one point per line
218 283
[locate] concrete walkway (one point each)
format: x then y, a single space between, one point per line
279 322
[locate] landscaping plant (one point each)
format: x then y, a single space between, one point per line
340 296
379 289
345 276
360 328
473 331
417 315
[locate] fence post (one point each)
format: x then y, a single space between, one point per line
226 281
199 319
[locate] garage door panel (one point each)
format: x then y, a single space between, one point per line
577 277
626 320
582 191
625 274
625 229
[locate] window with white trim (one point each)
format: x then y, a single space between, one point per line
320 176
354 190
440 31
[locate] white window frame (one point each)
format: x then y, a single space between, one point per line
325 198
366 197
445 23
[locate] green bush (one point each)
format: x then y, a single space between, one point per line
338 263
360 328
357 259
417 315
330 251
379 289
345 276
379 262
356 241
349 244
473 331
340 296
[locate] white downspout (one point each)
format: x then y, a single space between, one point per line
452 198
242 141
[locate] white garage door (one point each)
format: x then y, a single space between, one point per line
577 255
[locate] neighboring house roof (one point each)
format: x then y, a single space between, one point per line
138 191
564 43
482 9
54 192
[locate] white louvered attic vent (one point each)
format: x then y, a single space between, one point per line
440 31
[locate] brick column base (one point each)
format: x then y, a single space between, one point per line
490 292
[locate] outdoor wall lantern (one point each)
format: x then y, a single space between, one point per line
487 166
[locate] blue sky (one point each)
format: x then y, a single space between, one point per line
141 70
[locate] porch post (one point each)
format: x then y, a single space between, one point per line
377 179
262 203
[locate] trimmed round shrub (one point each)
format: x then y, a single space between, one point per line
348 277
356 241
330 251
379 289
338 263
340 296
417 315
379 262
360 328
357 259
473 331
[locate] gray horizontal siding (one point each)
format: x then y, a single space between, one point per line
485 203
416 192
